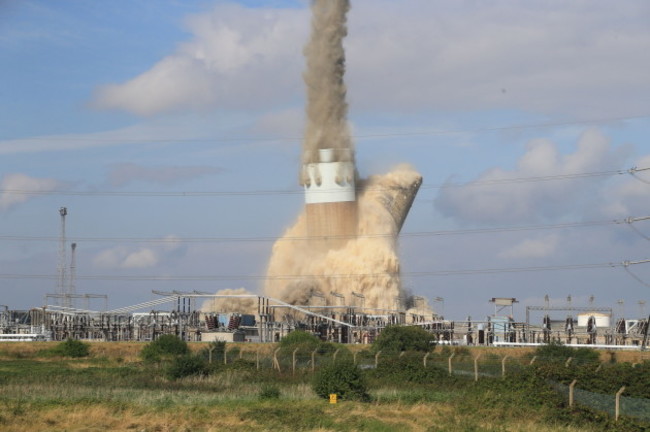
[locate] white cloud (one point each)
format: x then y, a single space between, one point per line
18 188
522 202
121 257
239 57
574 59
143 258
137 257
532 248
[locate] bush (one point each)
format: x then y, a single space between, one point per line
218 348
409 368
186 365
241 365
344 379
72 348
165 347
402 338
268 392
300 337
557 352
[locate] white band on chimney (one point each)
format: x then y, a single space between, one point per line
329 190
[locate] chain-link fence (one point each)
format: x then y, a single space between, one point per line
628 406
458 363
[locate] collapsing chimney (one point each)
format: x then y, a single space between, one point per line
330 201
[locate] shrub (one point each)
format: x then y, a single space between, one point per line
300 337
186 365
344 379
402 338
165 347
558 352
268 392
218 348
241 365
409 368
72 348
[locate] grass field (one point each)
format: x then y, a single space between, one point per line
113 390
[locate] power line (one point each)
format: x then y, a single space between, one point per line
173 240
214 278
258 192
357 137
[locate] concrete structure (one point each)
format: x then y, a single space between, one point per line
330 198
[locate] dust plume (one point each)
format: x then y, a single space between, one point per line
367 265
327 108
231 304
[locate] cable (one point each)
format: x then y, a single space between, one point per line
360 136
633 172
493 182
626 265
212 278
301 238
630 222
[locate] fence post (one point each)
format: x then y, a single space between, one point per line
449 361
568 362
293 362
573 384
241 354
257 358
377 358
476 367
532 361
618 401
225 355
276 363
503 366
424 360
210 349
354 357
335 353
313 360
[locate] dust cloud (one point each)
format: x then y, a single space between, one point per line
231 304
367 265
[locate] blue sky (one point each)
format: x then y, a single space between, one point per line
131 108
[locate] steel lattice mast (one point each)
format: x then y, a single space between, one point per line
61 287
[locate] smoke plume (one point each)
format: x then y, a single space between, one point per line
326 105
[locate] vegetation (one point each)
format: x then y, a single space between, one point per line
187 365
343 379
71 348
556 352
166 347
115 389
268 392
408 368
400 338
306 343
299 337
